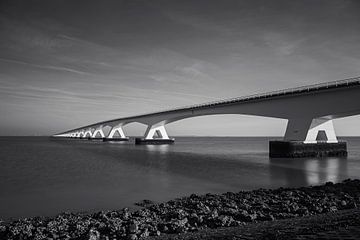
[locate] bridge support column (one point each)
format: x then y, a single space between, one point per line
98 131
308 138
116 130
88 134
155 134
321 130
82 134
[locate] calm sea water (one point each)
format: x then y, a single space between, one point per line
43 176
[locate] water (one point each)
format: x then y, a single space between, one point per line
40 176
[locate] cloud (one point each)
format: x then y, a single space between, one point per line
49 67
59 94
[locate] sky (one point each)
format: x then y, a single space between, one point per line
69 63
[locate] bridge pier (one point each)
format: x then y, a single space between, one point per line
117 129
87 134
155 135
308 138
98 134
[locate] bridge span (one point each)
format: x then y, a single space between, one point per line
308 109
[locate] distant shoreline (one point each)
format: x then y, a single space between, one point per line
193 213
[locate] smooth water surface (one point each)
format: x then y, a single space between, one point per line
43 176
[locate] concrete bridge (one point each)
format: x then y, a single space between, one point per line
309 110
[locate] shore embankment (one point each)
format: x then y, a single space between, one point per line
339 225
196 214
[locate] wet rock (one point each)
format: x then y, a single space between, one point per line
145 233
190 213
329 184
214 213
176 214
144 203
93 235
2 229
302 211
133 227
333 209
156 233
163 228
195 220
178 226
132 236
125 214
244 216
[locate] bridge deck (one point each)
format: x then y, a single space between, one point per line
345 83
284 92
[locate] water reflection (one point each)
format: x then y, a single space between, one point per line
309 171
161 148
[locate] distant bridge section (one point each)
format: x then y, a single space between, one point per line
308 109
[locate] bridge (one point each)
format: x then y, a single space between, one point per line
308 109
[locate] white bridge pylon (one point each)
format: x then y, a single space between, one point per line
97 132
311 130
156 132
117 129
310 111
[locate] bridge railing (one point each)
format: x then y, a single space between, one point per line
289 91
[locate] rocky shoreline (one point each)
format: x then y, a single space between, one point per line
190 214
339 225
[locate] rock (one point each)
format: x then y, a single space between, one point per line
253 217
179 226
225 221
193 196
145 233
303 211
125 214
93 234
144 203
133 227
265 217
333 209
214 213
163 228
189 213
195 220
329 183
352 205
2 228
132 236
242 215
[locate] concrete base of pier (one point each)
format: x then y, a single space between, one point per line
95 139
297 149
115 139
154 141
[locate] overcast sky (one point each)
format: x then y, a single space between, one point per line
68 63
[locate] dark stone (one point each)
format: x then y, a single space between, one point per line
294 149
133 227
93 234
154 141
144 203
115 139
